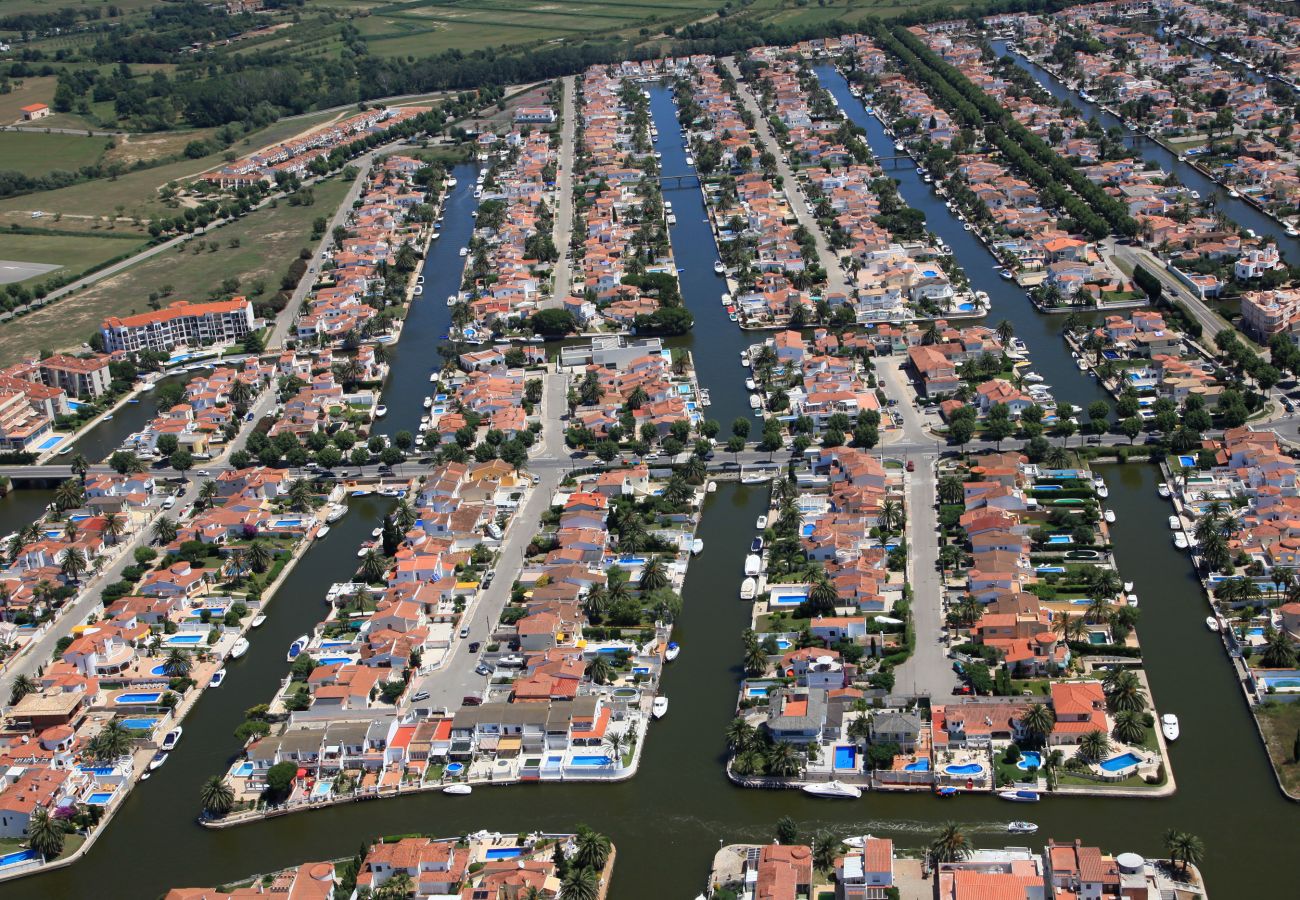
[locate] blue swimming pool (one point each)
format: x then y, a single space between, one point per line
590 761
242 770
964 769
1030 759
921 765
631 561
1121 762
809 529
1110 354
1060 539
1047 487
504 852
965 307
100 798
783 644
757 690
784 595
12 859
1049 569
286 523
321 789
846 757
184 638
52 441
97 770
334 660
1187 462
454 768
1281 680
160 669
1096 637
141 723
139 698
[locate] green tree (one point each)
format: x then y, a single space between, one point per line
951 845
45 833
216 796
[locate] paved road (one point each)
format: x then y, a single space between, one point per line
79 132
564 214
456 678
1210 321
38 652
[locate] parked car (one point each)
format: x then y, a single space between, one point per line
464 631
420 695
473 647
471 700
911 465
482 669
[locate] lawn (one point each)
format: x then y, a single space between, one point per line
269 239
76 252
36 153
26 91
1280 723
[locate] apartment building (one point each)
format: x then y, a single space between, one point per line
193 324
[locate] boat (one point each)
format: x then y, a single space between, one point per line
834 789
451 299
946 792
464 251
336 512
451 181
1169 726
217 677
363 550
761 523
1163 490
726 299
144 776
458 789
172 738
755 402
239 648
1180 541
428 402
1102 491
1081 365
322 531
659 708
1212 623
258 620
381 411
297 647
1020 796
697 546
1291 231
1109 516
1032 377
710 487
1128 587
1021 827
1133 600
673 650
1233 194
748 588
756 478
417 291
750 385
753 564
1005 273
158 759
1174 523
898 146
719 268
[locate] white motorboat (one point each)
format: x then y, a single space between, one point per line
322 531
697 546
417 291
335 513
1109 516
1175 524
1133 600
1163 490
1020 796
673 651
239 649
428 402
726 299
296 648
217 677
1021 828
451 181
1291 231
381 411
1169 726
719 268
711 487
1128 587
172 738
1233 194
1081 365
659 708
258 620
755 402
748 588
464 251
158 759
1180 541
377 532
834 789
1212 623
750 385
1032 378
451 299
753 564
761 523
458 789
1102 491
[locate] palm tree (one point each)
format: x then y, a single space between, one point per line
1006 331
677 491
112 742
823 598
1278 651
69 494
397 887
951 845
783 760
259 557
164 530
177 664
616 744
1095 746
596 603
756 663
216 796
695 470
1057 458
592 849
22 686
740 734
891 515
969 610
654 574
113 526
208 492
1098 610
70 530
950 490
404 516
1038 722
80 466
859 729
74 564
579 884
45 833
372 566
826 846
600 670
1184 848
1126 693
1129 726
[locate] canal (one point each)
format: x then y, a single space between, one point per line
107 435
1236 209
414 357
1040 332
716 341
669 819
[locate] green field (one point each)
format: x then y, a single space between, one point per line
75 254
36 153
269 239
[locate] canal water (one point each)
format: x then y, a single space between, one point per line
716 341
415 356
23 506
1041 333
1238 210
106 437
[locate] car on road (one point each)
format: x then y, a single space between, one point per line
482 669
487 580
204 473
911 465
471 700
537 479
420 695
473 647
464 631
962 689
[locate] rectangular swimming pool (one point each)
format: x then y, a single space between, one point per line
504 852
139 724
100 798
846 757
140 698
590 761
184 639
12 859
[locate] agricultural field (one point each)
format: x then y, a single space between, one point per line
68 252
267 241
37 153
